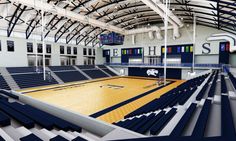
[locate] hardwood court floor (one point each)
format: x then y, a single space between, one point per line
90 97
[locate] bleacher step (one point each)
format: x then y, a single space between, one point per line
12 132
23 131
48 133
79 70
40 134
64 134
113 70
55 76
8 78
103 71
5 136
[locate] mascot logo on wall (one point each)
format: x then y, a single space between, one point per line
152 72
225 36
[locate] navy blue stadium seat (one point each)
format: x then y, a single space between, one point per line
109 72
202 92
233 79
223 85
9 94
4 119
201 123
70 76
3 97
84 67
32 80
102 66
46 120
178 95
155 129
25 121
150 123
1 139
16 70
142 122
227 121
30 137
79 139
211 92
58 138
3 84
167 138
95 73
39 119
179 128
61 68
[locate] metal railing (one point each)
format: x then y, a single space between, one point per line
168 65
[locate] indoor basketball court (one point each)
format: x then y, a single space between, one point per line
98 70
81 96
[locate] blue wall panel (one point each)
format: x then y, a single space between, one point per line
224 52
170 73
184 51
131 53
106 53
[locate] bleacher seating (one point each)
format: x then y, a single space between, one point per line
104 68
42 118
212 90
4 119
25 121
150 118
61 68
179 128
32 80
109 72
27 77
233 79
16 70
223 85
201 123
227 122
95 73
178 95
3 84
70 76
30 137
155 129
30 121
9 94
143 124
86 67
202 92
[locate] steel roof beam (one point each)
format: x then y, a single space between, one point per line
15 17
71 15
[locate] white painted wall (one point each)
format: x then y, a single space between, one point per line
142 40
207 59
19 56
185 72
16 58
232 59
99 59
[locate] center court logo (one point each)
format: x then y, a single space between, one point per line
152 72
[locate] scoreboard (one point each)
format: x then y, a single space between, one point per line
111 39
